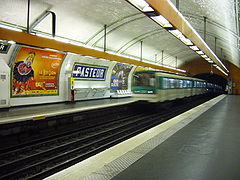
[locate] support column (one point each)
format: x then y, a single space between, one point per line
177 4
205 29
28 17
155 58
105 38
162 56
215 45
176 61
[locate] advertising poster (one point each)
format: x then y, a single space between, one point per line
89 72
35 72
119 79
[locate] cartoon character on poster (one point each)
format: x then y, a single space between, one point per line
23 75
119 79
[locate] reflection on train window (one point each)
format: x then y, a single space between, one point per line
170 83
144 79
189 83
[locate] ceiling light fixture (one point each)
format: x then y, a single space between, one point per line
61 39
141 5
162 21
11 28
200 52
221 70
186 41
176 33
180 36
195 48
44 35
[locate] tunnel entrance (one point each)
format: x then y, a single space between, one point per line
213 78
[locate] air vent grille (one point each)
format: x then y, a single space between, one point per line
3 102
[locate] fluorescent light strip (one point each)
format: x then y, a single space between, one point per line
44 36
195 48
11 28
180 36
162 21
204 56
200 52
76 43
11 42
141 5
186 41
172 68
61 40
176 33
221 70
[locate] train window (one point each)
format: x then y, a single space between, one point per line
204 84
180 83
195 84
151 81
198 84
169 83
177 83
165 83
144 79
189 83
184 83
172 83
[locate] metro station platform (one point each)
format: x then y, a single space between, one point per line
200 144
18 114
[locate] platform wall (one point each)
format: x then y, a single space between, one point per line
100 89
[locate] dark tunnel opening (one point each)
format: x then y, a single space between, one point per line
213 78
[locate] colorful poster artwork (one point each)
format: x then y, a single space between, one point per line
89 72
119 79
35 72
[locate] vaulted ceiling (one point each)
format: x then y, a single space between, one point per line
82 22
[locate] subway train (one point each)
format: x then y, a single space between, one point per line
154 86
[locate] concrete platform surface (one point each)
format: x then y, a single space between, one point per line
195 145
16 114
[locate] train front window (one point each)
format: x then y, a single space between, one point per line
144 79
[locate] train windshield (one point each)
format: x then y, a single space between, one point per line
144 79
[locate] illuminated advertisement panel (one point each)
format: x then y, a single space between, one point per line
35 72
89 72
119 79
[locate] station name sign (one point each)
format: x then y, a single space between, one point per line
4 47
89 72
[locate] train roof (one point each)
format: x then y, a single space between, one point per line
171 75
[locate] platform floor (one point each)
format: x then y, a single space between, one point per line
16 114
200 144
206 149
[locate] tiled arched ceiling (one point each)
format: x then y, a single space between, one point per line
84 20
222 24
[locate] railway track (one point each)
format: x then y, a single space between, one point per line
43 157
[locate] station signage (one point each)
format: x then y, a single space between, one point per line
89 72
4 47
